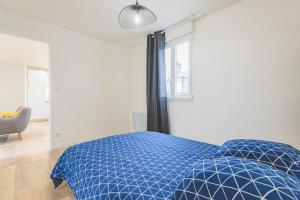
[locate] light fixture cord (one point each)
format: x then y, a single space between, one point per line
137 3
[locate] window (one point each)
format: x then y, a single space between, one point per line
178 69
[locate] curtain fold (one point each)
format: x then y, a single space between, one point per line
157 100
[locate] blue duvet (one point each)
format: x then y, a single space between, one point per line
136 166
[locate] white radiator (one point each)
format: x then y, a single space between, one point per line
139 121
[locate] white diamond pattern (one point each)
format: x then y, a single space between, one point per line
136 166
231 178
277 155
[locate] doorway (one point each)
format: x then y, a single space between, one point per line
25 65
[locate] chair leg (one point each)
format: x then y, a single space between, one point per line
20 136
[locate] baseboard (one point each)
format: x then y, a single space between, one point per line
40 120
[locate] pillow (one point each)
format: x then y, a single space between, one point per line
278 155
237 179
9 114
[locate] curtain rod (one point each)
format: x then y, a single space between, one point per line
192 18
181 23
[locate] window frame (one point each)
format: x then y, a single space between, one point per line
172 45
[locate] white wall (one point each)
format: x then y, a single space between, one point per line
12 86
137 79
89 89
246 70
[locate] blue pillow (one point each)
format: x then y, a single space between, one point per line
278 155
239 179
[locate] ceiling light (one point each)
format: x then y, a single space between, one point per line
136 15
137 18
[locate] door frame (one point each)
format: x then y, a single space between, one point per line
50 71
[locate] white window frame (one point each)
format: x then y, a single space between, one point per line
172 45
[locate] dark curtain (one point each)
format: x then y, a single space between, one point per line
157 100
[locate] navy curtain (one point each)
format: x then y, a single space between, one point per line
157 100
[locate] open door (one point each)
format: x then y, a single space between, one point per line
38 93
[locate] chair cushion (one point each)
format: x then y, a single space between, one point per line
238 179
278 155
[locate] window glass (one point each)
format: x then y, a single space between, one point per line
178 66
182 69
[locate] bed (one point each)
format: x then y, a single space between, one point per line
147 165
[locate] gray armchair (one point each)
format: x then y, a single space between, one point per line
16 124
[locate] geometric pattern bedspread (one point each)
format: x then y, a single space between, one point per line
232 178
135 166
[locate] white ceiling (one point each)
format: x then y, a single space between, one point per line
99 17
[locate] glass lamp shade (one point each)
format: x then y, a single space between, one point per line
136 15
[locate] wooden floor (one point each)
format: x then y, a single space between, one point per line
25 167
